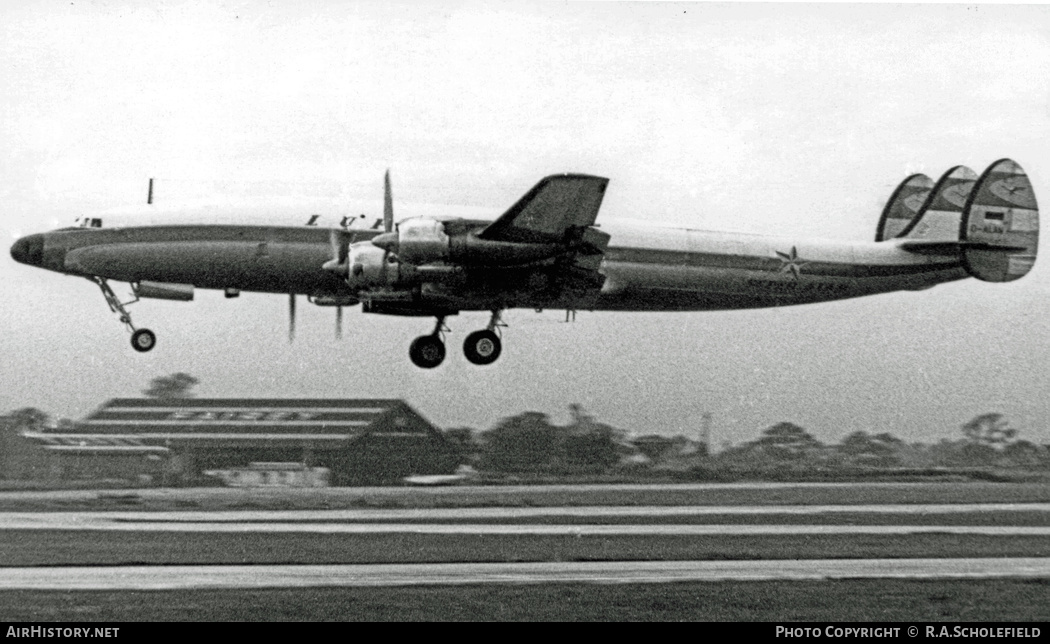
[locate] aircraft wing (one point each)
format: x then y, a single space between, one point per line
557 207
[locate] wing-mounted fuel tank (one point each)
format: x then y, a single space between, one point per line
1000 224
422 240
163 291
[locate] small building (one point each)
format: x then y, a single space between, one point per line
273 475
359 441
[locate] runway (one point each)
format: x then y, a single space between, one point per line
10 519
437 521
526 529
623 572
619 544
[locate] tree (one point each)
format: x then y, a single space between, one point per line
989 430
589 444
526 442
786 440
177 385
28 418
464 439
880 450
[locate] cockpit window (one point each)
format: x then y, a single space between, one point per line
89 222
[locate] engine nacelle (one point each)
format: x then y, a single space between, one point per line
371 266
422 240
163 291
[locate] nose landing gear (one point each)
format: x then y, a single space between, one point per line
142 340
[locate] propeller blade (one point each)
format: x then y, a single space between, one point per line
338 323
388 204
340 242
291 317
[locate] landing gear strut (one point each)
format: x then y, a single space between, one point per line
142 340
428 351
484 346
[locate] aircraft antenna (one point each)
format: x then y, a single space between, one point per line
149 196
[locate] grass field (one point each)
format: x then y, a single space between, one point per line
859 600
842 600
57 548
526 496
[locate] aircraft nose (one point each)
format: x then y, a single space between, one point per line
29 250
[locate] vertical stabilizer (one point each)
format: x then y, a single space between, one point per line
904 205
939 218
1000 224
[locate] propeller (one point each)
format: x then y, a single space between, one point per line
338 323
291 317
388 204
388 239
340 243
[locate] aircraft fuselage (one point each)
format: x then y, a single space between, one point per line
646 268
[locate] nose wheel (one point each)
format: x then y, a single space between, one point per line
142 340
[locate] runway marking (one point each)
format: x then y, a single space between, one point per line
140 523
299 576
79 519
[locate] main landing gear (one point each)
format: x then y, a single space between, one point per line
428 351
142 340
481 347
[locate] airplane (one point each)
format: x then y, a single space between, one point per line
547 252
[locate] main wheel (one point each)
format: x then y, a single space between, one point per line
482 347
143 340
427 351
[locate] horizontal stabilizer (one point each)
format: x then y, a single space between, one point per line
951 247
1002 216
556 206
904 205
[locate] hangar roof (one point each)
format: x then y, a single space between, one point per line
320 422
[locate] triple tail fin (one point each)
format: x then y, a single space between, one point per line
1000 225
904 205
940 216
990 223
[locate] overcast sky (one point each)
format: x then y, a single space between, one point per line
782 119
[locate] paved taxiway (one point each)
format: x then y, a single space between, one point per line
300 576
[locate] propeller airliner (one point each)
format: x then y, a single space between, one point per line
547 252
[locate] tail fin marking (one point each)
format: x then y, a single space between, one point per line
939 218
904 205
1001 211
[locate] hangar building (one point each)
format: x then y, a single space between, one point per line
361 441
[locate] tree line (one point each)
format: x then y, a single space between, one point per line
529 443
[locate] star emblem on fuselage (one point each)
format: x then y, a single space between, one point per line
790 262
